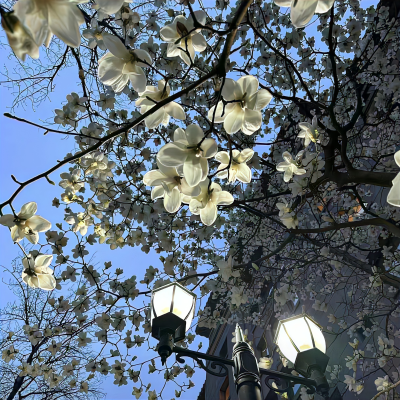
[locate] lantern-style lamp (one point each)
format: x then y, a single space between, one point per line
172 312
302 342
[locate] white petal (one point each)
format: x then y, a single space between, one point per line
63 22
16 233
209 148
142 55
43 260
33 238
169 33
110 6
155 119
252 121
234 120
262 98
222 157
243 173
175 110
225 198
179 135
397 157
172 202
248 84
138 82
28 210
194 134
301 12
208 214
116 47
110 69
324 6
246 155
153 178
171 155
393 197
47 282
283 3
38 224
187 190
192 170
157 192
231 90
199 43
7 220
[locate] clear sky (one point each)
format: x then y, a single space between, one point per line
26 152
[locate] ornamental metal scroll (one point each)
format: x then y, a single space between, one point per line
285 381
215 362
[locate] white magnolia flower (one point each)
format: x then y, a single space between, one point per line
94 35
382 383
243 112
19 37
191 150
122 65
72 181
93 162
301 11
309 132
393 197
26 223
291 167
37 273
205 204
182 38
45 18
80 222
226 269
287 217
238 168
162 115
170 184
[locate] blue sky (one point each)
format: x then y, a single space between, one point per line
26 152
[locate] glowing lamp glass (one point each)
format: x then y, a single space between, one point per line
297 334
173 298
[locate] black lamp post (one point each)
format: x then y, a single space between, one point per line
172 311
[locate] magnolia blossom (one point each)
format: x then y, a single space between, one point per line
80 222
291 167
226 269
191 150
38 20
287 217
238 168
26 223
72 181
301 11
94 35
122 65
243 112
205 204
309 132
19 37
163 114
37 273
182 38
170 184
393 197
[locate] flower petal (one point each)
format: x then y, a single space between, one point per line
172 202
63 22
234 120
138 82
192 170
209 148
115 46
231 90
301 12
324 6
248 84
153 178
28 210
43 260
243 173
7 220
179 135
46 282
262 98
208 214
38 224
154 119
16 233
157 192
171 155
224 198
187 190
175 110
222 157
169 33
283 3
194 134
142 55
110 7
393 197
199 42
252 121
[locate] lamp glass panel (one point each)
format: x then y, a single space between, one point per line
162 300
183 303
285 345
319 338
299 333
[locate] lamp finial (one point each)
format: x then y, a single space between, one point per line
239 334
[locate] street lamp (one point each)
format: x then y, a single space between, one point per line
299 338
302 342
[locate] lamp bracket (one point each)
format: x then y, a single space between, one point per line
285 380
198 357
